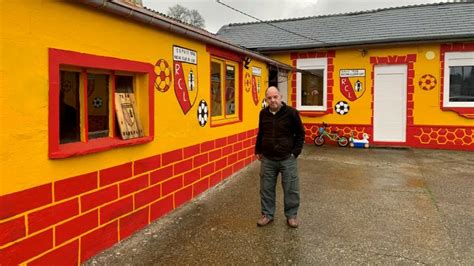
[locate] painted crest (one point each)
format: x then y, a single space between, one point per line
247 82
254 90
352 83
185 77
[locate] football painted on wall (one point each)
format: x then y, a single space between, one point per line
185 77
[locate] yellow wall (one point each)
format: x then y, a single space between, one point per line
427 109
28 29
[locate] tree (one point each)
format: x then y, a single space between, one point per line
190 16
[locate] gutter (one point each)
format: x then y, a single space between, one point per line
367 44
148 17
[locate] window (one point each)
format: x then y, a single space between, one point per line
459 79
86 112
224 91
311 84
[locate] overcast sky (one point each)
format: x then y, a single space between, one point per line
216 15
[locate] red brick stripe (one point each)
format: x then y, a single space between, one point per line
43 218
98 198
147 164
161 207
12 230
98 240
116 209
22 201
77 226
114 174
65 255
133 222
28 248
73 186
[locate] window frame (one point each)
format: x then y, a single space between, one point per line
217 53
68 60
455 59
311 64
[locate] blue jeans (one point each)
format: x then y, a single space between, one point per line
289 179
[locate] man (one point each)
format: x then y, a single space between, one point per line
279 142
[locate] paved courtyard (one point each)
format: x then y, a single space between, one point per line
359 206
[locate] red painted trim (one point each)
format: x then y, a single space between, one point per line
408 59
219 52
224 55
62 57
85 105
96 145
467 112
329 55
312 113
241 91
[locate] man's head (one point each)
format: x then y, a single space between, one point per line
273 98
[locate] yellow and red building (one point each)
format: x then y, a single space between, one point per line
112 116
403 75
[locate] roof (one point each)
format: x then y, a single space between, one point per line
440 21
162 22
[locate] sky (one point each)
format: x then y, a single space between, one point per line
217 15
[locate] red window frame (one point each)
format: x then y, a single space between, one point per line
57 58
224 55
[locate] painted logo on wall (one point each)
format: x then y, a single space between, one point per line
163 75
247 82
256 83
427 82
352 83
185 77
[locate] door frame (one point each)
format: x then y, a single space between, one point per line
407 122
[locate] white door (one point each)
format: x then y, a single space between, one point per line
390 103
283 84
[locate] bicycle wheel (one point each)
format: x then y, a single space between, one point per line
343 141
318 140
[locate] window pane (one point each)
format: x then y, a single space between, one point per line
98 105
216 98
69 130
124 84
230 90
312 87
461 84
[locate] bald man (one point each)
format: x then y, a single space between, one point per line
279 142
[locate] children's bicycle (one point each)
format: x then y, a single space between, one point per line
322 132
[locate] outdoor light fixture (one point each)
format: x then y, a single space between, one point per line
247 62
363 52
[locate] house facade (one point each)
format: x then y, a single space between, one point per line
112 116
405 75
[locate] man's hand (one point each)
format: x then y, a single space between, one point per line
259 156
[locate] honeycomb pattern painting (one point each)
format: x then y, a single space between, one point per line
445 136
311 131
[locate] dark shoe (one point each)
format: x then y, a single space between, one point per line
292 222
264 220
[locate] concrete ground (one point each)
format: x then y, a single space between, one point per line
359 206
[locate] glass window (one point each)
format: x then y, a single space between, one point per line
458 86
216 101
98 105
461 84
230 90
224 91
84 111
311 86
69 130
